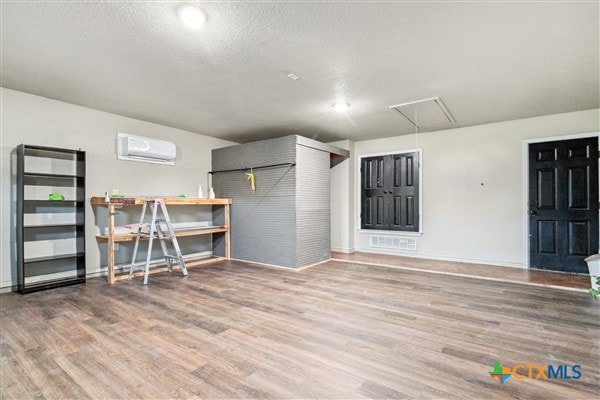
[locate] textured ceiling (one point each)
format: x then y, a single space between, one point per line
487 61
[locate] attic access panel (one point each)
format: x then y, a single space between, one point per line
427 113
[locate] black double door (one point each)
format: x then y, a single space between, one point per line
389 192
563 204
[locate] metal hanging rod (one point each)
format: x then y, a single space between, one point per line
291 164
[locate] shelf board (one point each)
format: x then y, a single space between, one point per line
34 287
41 175
54 202
132 236
170 201
49 150
53 257
53 226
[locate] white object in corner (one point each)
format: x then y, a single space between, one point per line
593 263
138 148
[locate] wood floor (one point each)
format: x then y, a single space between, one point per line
338 330
527 276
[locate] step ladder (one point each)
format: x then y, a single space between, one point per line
156 231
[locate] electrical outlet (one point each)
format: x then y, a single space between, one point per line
117 246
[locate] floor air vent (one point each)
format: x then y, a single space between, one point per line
394 242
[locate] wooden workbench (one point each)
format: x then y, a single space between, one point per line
111 238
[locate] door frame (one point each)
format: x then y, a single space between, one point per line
526 144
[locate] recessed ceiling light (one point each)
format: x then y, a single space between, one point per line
191 16
341 107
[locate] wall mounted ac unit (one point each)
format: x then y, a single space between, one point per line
137 148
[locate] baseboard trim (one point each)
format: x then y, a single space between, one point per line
281 266
446 258
346 251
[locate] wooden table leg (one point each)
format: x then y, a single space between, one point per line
111 244
227 233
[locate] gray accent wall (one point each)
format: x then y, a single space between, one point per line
313 220
286 222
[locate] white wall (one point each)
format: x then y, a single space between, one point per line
342 201
41 121
473 205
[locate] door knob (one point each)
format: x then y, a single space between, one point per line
532 212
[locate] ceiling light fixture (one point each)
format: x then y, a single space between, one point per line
341 107
293 77
191 16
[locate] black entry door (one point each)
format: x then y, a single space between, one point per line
563 204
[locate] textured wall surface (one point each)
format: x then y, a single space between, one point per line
287 221
313 221
342 201
262 223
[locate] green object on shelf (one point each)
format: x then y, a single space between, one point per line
117 196
56 197
181 196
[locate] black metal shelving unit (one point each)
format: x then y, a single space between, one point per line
50 233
